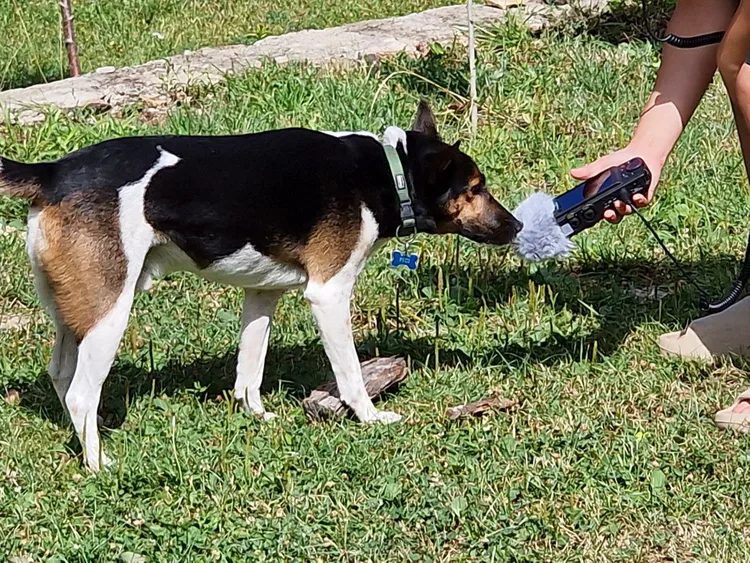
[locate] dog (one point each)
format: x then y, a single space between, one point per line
267 212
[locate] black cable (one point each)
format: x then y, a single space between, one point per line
682 42
737 288
704 299
705 302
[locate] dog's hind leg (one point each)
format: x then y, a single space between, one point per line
92 272
93 249
85 266
100 333
257 312
62 365
96 353
65 352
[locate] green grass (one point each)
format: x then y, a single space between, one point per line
612 455
129 32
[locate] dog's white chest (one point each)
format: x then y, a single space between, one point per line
249 268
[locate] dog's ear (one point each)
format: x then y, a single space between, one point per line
425 121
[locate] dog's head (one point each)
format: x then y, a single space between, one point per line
450 191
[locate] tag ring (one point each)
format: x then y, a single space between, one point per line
408 241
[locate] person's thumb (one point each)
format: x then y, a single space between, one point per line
594 168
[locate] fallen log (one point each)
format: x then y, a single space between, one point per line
379 374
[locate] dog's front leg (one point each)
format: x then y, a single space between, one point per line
257 312
330 307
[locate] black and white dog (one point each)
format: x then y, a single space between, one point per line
266 212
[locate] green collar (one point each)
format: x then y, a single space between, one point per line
408 220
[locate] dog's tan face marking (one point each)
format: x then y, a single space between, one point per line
471 208
83 258
476 214
476 179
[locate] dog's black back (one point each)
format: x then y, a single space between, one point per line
266 190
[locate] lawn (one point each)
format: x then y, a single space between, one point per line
612 454
129 32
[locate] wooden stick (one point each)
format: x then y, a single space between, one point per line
472 69
69 34
479 408
379 374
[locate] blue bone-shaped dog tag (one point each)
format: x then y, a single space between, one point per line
408 260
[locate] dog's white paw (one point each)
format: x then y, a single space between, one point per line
382 417
262 414
253 407
107 461
99 462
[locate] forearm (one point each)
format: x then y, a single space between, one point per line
683 78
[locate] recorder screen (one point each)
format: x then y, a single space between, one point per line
581 193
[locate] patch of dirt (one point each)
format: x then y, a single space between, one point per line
9 230
13 322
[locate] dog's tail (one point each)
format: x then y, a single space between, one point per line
23 181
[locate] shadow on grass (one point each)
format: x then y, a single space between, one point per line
23 77
612 290
624 294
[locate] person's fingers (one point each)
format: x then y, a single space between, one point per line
581 173
588 171
640 200
614 218
594 168
611 216
652 188
622 208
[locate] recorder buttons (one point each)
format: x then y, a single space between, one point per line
589 214
633 165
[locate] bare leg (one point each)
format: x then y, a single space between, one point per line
726 333
735 416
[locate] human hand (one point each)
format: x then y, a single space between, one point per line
615 159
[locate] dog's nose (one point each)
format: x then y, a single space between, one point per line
517 226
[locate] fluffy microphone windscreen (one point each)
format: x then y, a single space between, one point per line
541 237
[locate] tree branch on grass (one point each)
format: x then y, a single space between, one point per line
472 69
70 37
